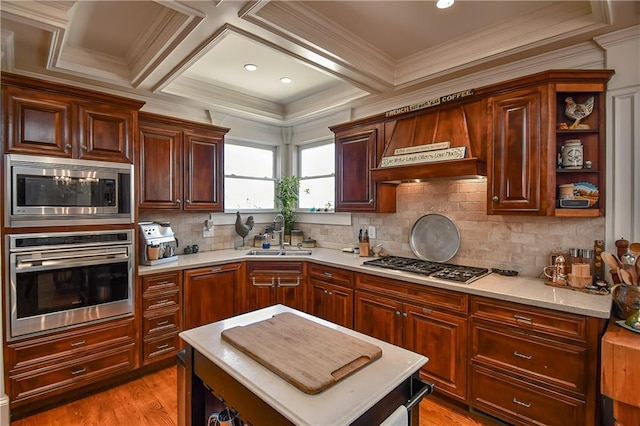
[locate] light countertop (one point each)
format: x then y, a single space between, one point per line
525 290
342 403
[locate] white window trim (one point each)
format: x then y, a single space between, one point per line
318 218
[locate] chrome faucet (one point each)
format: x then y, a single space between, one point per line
279 218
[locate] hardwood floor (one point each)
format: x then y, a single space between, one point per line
152 401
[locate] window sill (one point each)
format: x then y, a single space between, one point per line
321 218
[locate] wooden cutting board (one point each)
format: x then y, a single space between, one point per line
308 355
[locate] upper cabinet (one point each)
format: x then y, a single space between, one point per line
181 164
516 153
547 144
357 152
43 118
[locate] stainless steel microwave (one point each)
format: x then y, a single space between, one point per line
49 191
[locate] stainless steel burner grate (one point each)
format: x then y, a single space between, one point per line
445 271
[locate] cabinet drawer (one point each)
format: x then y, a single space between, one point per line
553 323
521 403
71 374
436 298
159 282
164 321
159 300
48 349
332 275
161 347
275 268
553 363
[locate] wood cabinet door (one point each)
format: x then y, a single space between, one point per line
330 302
204 171
290 291
517 162
260 292
378 317
160 169
340 307
105 133
37 123
209 294
442 338
355 156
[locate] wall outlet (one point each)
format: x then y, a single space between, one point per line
207 232
372 231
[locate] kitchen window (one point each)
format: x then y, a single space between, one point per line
316 166
249 177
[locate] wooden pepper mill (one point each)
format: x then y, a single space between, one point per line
623 246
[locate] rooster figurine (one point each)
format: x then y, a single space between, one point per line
243 228
577 112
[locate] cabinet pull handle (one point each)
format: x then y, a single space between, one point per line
519 355
162 282
165 322
427 310
166 345
327 274
522 318
162 302
262 284
76 372
78 343
281 284
213 270
524 404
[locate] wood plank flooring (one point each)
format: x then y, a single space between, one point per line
152 401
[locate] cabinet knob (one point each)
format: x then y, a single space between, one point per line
495 198
67 146
397 312
188 201
371 201
83 147
178 201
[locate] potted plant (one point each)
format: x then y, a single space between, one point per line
287 190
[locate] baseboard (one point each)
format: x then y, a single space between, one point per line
5 417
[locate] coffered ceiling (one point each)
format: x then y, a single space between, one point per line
337 52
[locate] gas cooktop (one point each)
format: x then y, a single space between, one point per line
444 271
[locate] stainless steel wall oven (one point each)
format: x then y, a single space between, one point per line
68 278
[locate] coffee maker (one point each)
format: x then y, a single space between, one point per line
157 243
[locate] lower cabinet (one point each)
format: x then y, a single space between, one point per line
48 366
274 282
429 321
331 294
210 294
161 316
533 366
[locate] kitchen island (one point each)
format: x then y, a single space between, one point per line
367 396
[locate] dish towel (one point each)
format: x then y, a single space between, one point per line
400 417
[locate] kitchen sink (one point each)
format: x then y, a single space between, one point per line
277 252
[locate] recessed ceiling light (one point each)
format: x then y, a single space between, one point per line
286 80
250 67
443 4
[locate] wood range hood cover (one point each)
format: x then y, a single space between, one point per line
461 125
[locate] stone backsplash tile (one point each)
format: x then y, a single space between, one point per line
523 243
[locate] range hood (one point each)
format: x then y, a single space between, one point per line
459 127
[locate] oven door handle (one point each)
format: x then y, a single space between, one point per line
56 262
